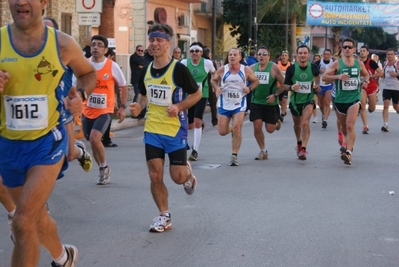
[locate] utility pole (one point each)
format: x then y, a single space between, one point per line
286 24
213 27
256 25
249 25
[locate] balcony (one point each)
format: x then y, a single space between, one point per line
205 9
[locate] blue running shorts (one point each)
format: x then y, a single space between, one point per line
230 113
167 143
19 156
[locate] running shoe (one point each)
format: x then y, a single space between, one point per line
161 223
262 155
105 175
298 149
11 231
343 148
72 253
194 155
385 128
85 162
302 154
346 157
278 125
189 186
324 124
365 129
233 160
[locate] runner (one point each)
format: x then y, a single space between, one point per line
324 96
265 99
390 86
98 108
31 121
164 85
346 73
369 95
302 79
283 64
230 84
199 68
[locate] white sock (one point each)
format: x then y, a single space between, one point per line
61 260
11 213
197 138
103 165
80 153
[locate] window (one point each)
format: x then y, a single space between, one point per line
66 23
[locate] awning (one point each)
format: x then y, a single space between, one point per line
184 36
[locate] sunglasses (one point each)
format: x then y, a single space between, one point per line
138 50
263 54
196 51
347 47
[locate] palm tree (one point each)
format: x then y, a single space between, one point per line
296 12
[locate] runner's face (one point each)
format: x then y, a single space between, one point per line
284 58
159 46
195 54
302 55
263 56
234 56
98 49
390 55
326 55
25 12
348 51
364 53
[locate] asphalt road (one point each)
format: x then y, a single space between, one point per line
277 212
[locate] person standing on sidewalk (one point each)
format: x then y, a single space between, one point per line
302 79
137 63
346 72
33 139
199 68
168 88
98 108
230 83
212 99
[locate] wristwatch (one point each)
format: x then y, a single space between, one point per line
123 106
275 95
83 94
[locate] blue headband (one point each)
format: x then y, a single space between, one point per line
159 34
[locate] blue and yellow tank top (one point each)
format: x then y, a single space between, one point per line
31 102
161 93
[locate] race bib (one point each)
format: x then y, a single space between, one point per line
263 77
233 96
97 100
159 94
26 112
351 84
305 87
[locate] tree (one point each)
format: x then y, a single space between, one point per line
296 14
270 32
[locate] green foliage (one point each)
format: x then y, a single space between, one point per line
271 35
375 38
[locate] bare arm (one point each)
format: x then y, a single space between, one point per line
330 75
72 56
251 77
378 73
215 81
122 111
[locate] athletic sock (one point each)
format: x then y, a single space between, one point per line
197 138
61 260
103 165
11 213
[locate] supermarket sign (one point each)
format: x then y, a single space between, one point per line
352 14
